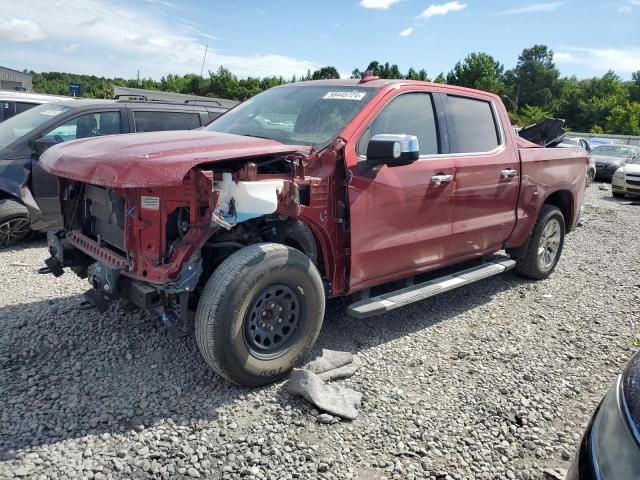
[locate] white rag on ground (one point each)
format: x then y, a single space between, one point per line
309 382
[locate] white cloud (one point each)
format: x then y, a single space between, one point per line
164 3
621 60
379 4
533 8
137 37
629 7
406 32
74 47
20 30
442 9
194 27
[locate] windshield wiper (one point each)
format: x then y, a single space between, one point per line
255 136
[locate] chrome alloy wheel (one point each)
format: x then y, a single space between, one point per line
13 230
549 244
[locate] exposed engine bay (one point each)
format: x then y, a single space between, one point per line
153 247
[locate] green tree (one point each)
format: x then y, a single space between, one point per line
325 73
634 87
534 80
624 119
478 70
529 114
412 74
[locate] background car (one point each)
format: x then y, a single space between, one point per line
610 447
595 141
581 142
626 180
24 137
575 142
591 170
610 158
14 103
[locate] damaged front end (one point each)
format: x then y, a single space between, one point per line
153 247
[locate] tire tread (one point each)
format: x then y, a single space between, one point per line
206 326
527 266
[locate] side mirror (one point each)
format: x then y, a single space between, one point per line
41 145
392 150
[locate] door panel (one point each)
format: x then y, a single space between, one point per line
484 207
487 184
400 220
400 217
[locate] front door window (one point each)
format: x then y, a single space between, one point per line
85 126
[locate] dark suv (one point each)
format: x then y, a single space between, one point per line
24 137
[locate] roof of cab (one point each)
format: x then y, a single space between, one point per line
383 83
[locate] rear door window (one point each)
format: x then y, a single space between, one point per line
88 125
8 110
155 120
24 106
409 114
472 126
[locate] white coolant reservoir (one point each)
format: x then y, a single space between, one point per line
254 199
227 189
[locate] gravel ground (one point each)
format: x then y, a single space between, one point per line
496 380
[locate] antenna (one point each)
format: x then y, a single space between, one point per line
206 48
195 94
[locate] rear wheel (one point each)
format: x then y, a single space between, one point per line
545 246
259 314
14 223
617 194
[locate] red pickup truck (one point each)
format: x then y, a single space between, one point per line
305 192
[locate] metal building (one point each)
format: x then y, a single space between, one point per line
14 80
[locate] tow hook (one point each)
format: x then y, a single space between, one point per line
53 267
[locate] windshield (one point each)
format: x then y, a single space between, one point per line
297 115
635 161
611 151
20 125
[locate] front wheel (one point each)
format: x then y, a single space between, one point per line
259 314
617 194
14 223
545 245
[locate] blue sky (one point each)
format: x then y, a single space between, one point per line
116 38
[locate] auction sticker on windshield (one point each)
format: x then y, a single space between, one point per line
345 95
51 113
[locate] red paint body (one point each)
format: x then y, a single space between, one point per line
399 223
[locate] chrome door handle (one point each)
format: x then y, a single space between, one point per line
508 173
441 178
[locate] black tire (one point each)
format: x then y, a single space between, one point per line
617 194
228 325
14 223
533 264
